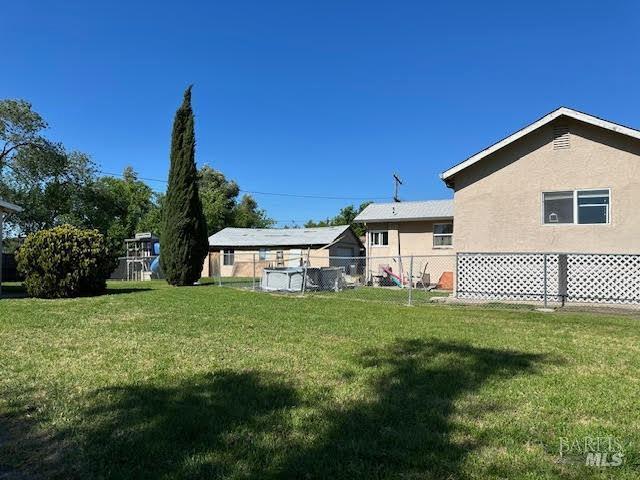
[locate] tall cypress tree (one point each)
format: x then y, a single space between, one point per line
184 234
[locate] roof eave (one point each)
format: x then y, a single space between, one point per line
447 175
9 207
410 219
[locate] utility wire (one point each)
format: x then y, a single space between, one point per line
255 192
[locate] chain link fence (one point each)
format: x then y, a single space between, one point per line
532 278
409 279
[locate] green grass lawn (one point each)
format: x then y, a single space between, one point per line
151 381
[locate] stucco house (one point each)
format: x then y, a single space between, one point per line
6 208
568 182
236 251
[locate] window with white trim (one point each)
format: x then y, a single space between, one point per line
442 234
584 207
228 256
379 239
264 253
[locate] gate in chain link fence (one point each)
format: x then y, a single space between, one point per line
549 277
397 279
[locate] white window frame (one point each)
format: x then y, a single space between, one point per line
378 245
575 206
434 235
263 254
226 255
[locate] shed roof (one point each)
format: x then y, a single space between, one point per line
408 211
9 207
549 117
275 237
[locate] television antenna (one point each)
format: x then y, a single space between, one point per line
397 182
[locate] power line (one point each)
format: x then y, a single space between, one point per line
256 192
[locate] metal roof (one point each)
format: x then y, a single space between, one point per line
562 111
425 210
9 207
275 237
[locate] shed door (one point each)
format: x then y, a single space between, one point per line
349 264
344 252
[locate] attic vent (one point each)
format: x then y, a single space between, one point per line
561 137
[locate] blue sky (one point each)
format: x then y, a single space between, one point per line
323 97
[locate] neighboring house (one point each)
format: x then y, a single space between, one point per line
236 251
569 182
6 208
397 230
408 228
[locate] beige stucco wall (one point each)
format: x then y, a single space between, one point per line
498 201
244 258
408 238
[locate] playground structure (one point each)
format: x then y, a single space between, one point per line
143 257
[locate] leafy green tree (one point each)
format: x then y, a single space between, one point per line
151 221
115 207
220 203
20 127
218 197
49 183
247 214
344 217
184 231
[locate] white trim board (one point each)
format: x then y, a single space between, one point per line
9 207
583 117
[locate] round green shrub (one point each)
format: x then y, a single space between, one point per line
65 261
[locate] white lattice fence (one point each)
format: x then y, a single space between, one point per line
507 276
603 278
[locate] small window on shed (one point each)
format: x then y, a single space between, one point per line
228 257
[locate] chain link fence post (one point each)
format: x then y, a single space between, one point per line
544 262
304 274
410 278
253 280
456 280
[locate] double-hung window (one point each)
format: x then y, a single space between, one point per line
228 257
379 239
576 207
442 234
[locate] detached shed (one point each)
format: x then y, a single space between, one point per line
233 251
6 208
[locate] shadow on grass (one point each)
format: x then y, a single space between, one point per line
13 290
17 290
247 425
404 428
119 291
